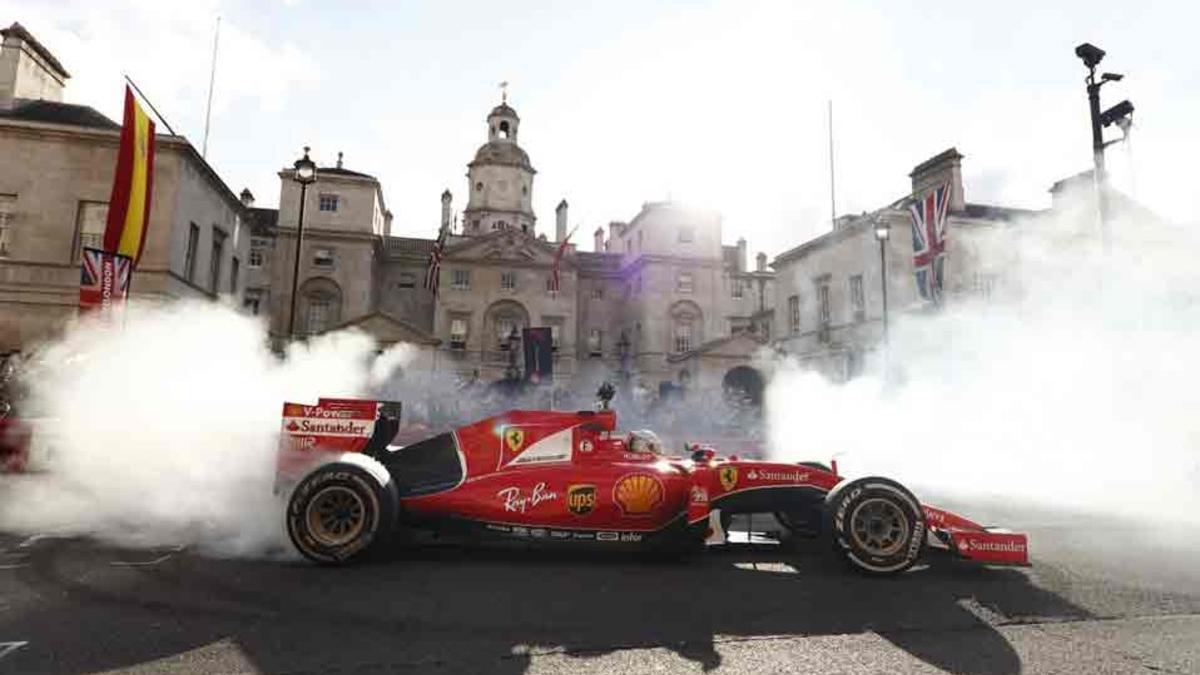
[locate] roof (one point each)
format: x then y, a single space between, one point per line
53 112
949 155
591 261
990 212
262 221
338 171
1081 177
408 245
18 31
418 335
502 152
505 110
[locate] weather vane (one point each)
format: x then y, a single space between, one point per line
504 91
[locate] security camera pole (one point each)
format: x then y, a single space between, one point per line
1091 56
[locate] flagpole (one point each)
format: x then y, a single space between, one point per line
212 78
147 100
832 203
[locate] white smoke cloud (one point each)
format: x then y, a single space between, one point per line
164 430
1073 388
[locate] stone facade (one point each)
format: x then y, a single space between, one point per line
55 183
648 301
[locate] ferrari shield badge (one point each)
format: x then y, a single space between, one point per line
581 499
728 476
515 438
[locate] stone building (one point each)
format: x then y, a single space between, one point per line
55 180
659 299
830 288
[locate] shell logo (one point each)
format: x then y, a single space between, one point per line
638 494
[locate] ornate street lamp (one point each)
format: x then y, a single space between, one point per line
513 340
882 232
305 173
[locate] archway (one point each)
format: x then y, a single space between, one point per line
320 305
499 321
744 385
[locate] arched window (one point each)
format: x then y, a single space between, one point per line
502 319
504 129
686 321
321 303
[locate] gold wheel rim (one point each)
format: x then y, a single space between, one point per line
336 515
879 527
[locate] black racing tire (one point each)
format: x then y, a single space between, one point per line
805 521
340 512
877 526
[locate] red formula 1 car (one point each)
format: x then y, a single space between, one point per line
570 478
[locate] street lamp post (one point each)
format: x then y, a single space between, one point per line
304 174
882 232
1091 56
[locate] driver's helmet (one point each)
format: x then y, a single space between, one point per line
644 440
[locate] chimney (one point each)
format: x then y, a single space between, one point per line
938 170
339 162
762 261
27 69
740 263
598 240
560 221
247 197
446 198
387 223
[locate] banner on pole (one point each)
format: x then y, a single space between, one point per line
104 281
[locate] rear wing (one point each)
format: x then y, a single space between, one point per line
314 434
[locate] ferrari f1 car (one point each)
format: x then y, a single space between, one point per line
570 478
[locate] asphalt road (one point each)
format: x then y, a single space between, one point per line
74 606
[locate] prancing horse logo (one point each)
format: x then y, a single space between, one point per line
728 476
515 438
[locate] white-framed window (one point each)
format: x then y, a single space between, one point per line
684 283
320 310
91 219
735 288
597 292
508 281
683 336
189 254
687 234
458 333
460 280
823 310
857 302
216 259
595 342
555 332
407 280
8 209
323 258
794 314
258 248
327 202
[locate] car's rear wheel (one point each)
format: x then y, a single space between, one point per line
877 525
339 512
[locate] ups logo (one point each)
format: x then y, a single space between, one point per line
581 499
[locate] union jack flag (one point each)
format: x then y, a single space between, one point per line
555 280
929 241
104 279
433 272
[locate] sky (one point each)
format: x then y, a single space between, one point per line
720 105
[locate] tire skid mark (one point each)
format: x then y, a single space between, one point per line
7 648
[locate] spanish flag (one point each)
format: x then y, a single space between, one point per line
129 205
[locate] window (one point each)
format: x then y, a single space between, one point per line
189 254
214 262
687 234
92 219
597 292
639 246
684 282
505 327
258 247
683 336
320 309
823 310
458 333
857 302
595 342
235 269
8 204
327 202
323 257
794 314
555 331
479 187
253 300
508 280
628 246
735 288
460 280
407 280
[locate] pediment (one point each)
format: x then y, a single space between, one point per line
513 246
388 329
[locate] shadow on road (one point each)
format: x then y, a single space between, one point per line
493 610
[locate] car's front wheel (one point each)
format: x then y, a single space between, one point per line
339 512
877 525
